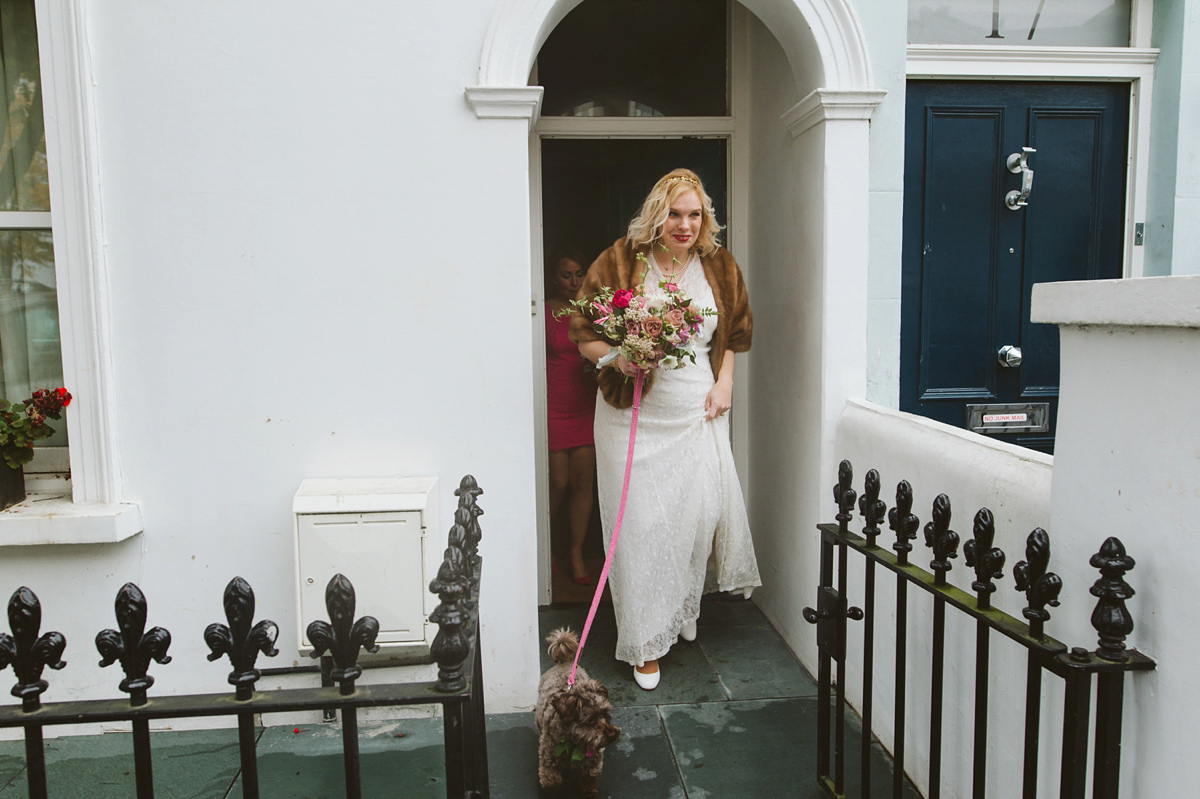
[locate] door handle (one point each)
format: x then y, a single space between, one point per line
1009 356
1018 163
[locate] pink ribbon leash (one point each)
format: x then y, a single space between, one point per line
612 546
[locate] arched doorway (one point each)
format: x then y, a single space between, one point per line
804 248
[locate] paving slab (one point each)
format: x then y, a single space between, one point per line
744 749
723 610
12 761
761 748
687 675
638 766
191 764
397 758
753 662
512 741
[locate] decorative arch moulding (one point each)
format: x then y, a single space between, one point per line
519 28
824 104
506 102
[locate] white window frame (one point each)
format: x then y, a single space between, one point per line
92 511
1133 65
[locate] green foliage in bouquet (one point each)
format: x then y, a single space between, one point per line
23 423
653 328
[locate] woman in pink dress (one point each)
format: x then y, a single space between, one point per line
571 407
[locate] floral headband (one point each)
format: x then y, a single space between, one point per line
693 181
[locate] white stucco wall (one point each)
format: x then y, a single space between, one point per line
319 264
1127 464
974 472
785 403
885 26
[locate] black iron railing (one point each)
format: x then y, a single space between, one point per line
456 649
1076 666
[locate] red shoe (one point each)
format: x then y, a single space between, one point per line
584 580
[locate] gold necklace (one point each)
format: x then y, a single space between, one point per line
675 262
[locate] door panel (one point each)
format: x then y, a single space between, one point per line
970 263
957 297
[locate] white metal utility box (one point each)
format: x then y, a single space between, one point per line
374 531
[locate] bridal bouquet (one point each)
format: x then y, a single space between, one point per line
653 327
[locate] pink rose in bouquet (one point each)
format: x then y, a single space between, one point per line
652 327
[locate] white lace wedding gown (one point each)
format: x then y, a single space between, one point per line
685 530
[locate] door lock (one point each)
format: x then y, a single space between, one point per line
1018 163
1009 356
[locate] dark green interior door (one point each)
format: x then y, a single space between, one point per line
970 262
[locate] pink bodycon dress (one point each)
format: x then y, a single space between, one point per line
570 388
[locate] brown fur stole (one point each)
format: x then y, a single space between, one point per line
619 268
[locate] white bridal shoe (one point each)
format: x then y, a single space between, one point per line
647 682
688 631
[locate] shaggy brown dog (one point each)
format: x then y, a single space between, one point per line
575 722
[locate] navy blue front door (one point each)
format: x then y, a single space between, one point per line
969 262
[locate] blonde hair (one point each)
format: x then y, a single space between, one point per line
647 226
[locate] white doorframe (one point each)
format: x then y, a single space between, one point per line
737 188
537 306
1132 65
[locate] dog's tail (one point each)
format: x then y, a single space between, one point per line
563 644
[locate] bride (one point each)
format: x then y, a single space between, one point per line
685 530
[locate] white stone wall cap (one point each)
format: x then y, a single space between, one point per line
1172 301
363 495
888 421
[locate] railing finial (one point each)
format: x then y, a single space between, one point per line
25 651
844 495
987 560
450 646
1041 587
467 514
872 509
133 647
902 521
941 539
342 635
242 640
1111 618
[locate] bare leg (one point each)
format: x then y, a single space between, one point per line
582 474
650 667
